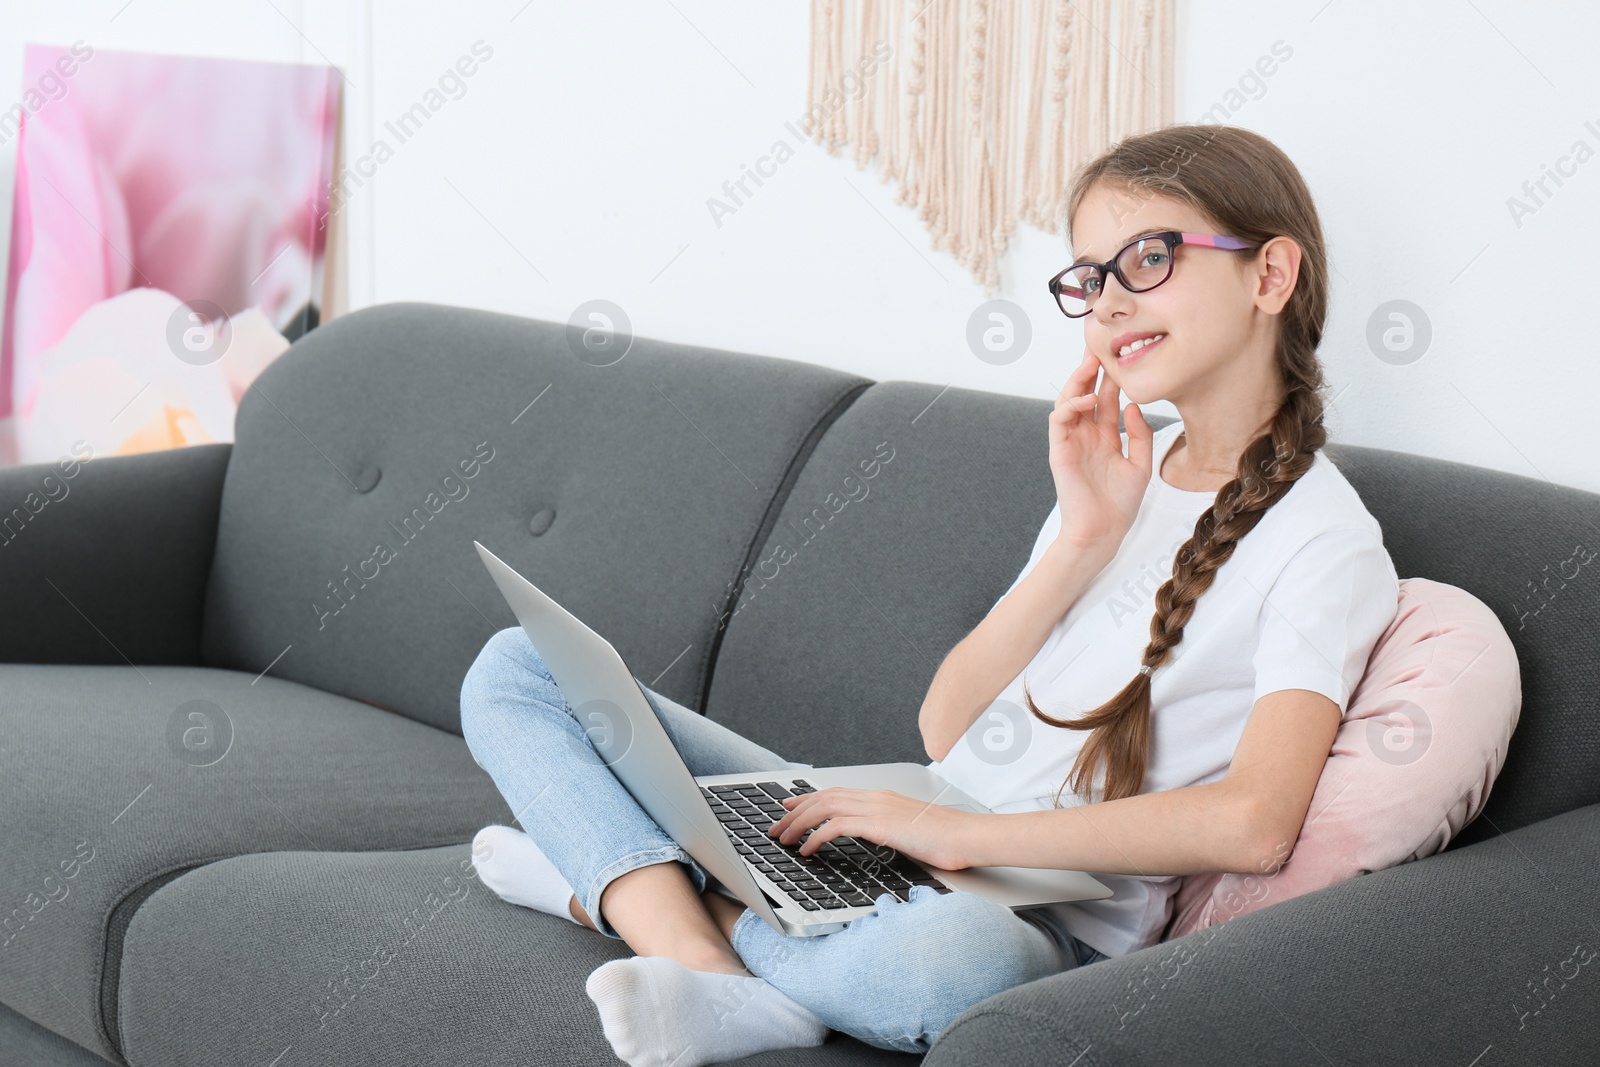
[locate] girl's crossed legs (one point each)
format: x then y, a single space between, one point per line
894 979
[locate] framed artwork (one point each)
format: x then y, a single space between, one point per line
170 237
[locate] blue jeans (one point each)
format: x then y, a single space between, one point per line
894 979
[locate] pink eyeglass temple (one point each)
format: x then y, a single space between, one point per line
1212 240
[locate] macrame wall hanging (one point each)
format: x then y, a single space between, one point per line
980 110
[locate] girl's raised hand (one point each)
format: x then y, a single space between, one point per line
1099 489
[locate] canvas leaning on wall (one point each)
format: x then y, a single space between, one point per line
170 237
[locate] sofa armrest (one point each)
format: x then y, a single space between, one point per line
1491 951
106 560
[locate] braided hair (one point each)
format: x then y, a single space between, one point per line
1251 189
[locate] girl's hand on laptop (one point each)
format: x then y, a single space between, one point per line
929 832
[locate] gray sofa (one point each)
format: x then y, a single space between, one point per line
238 807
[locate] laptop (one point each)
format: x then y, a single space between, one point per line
721 819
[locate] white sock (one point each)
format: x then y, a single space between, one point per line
656 1012
509 863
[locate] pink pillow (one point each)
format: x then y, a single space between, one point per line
1419 747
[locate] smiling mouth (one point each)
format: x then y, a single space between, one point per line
1123 360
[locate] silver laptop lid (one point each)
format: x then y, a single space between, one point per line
624 730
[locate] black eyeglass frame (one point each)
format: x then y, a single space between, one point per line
1171 239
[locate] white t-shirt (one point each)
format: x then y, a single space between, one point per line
1300 604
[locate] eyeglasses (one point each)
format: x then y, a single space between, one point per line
1144 263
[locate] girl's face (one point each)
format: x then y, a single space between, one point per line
1204 308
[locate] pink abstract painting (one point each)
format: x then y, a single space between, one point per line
168 241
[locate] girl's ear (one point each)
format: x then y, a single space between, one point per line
1277 266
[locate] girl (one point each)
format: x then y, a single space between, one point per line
1196 610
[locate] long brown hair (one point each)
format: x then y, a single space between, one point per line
1250 189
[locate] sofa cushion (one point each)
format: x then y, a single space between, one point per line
370 958
370 455
26 1042
1525 547
111 784
1416 754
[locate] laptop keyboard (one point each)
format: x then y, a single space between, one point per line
842 873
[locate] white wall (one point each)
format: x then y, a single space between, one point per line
578 162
